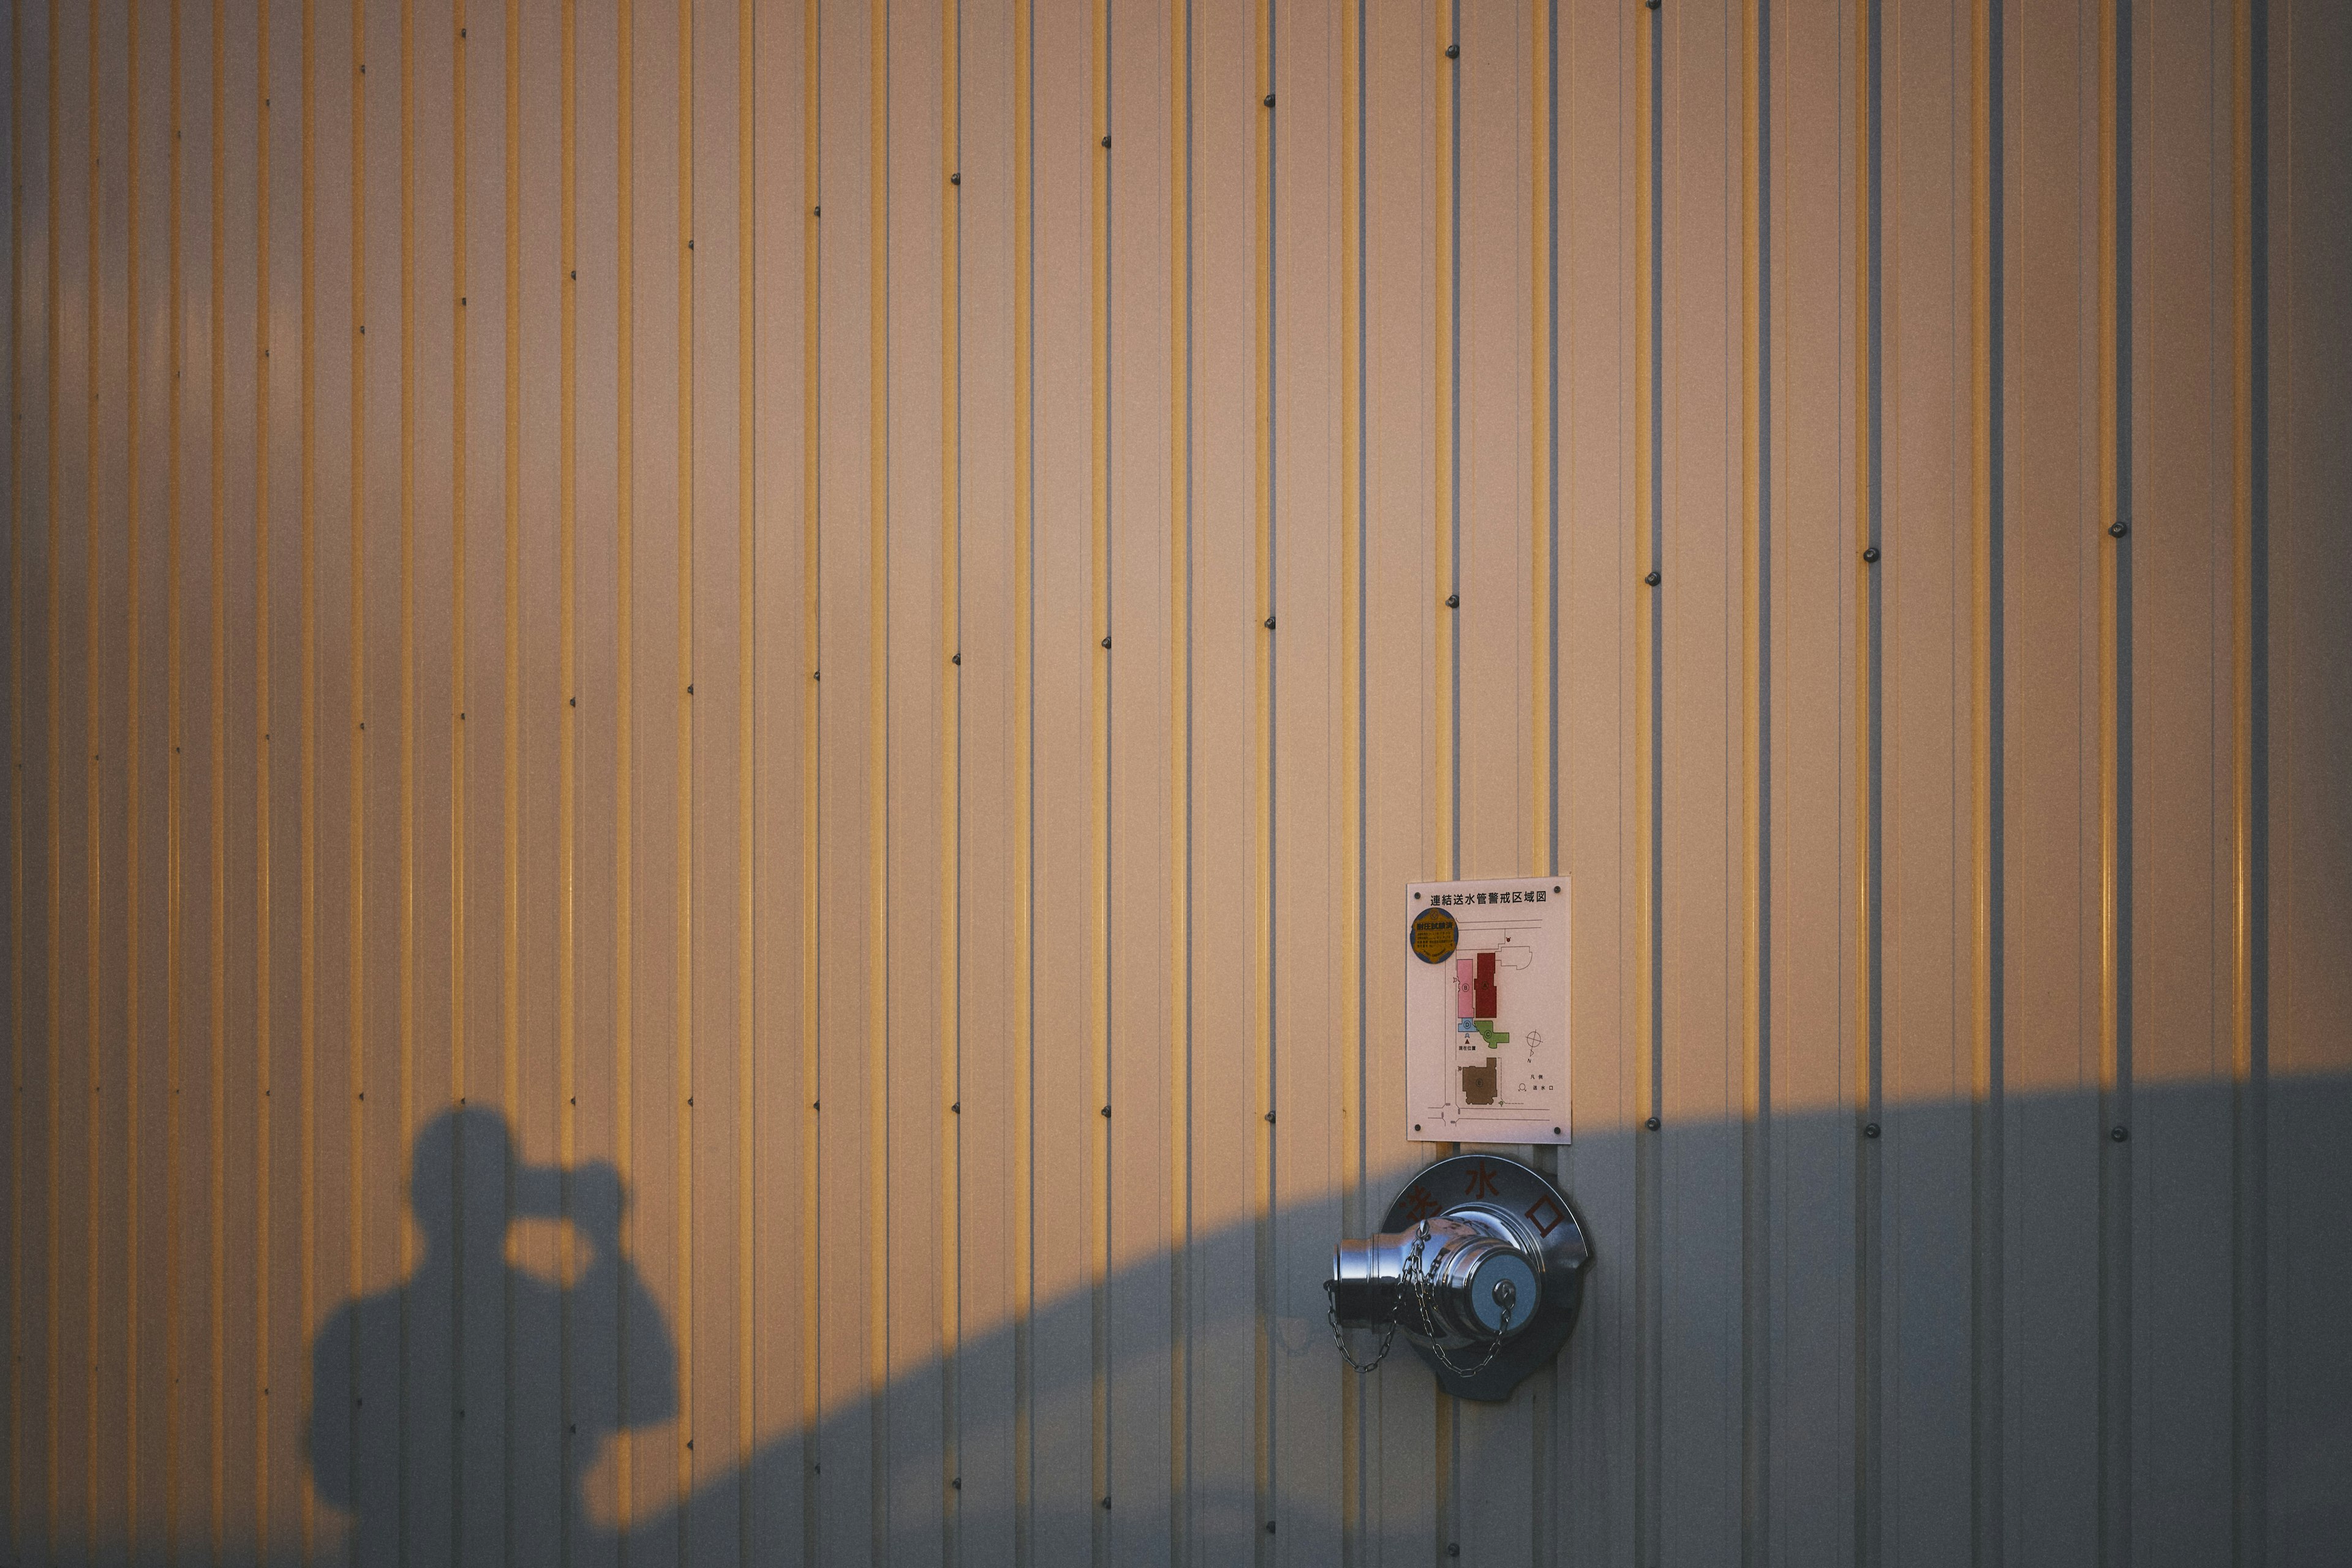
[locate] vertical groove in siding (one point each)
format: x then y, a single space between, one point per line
307 1111
951 1198
56 859
133 1085
1024 730
1988 1409
218 756
93 968
460 699
17 654
746 1411
356 909
1542 854
1181 1119
2114 458
1868 677
1649 1454
1099 697
1756 1339
1446 388
173 1207
406 999
812 980
625 736
511 721
682 894
264 872
1263 765
2250 776
877 778
1353 1035
567 718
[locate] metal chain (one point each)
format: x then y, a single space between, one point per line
1416 1280
1416 1283
1388 1335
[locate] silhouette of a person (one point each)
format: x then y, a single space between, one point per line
392 1373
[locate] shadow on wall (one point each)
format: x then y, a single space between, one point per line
414 1481
467 1186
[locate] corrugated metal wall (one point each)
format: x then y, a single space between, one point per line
775 661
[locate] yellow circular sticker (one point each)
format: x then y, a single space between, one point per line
1434 935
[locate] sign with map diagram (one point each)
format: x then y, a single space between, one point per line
1485 1032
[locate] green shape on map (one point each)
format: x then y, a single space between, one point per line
1494 1037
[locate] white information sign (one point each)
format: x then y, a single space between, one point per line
1485 1010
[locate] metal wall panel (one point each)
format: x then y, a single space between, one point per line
709 701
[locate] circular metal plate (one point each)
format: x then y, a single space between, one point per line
1535 1213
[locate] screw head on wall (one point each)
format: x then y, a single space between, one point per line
1452 51
1870 553
1652 1124
1652 579
2118 528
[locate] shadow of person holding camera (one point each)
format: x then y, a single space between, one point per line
569 1363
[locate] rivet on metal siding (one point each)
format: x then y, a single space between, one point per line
689 1443
816 1105
957 1483
1652 579
1269 623
575 275
1416 1127
1106 139
955 179
1105 1113
1555 1132
817 212
957 659
1269 1527
575 702
2118 528
1452 601
689 689
1269 100
1269 1117
2120 1133
1870 553
1870 1130
690 244
1106 642
1452 51
1652 1124
1105 1504
957 1109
